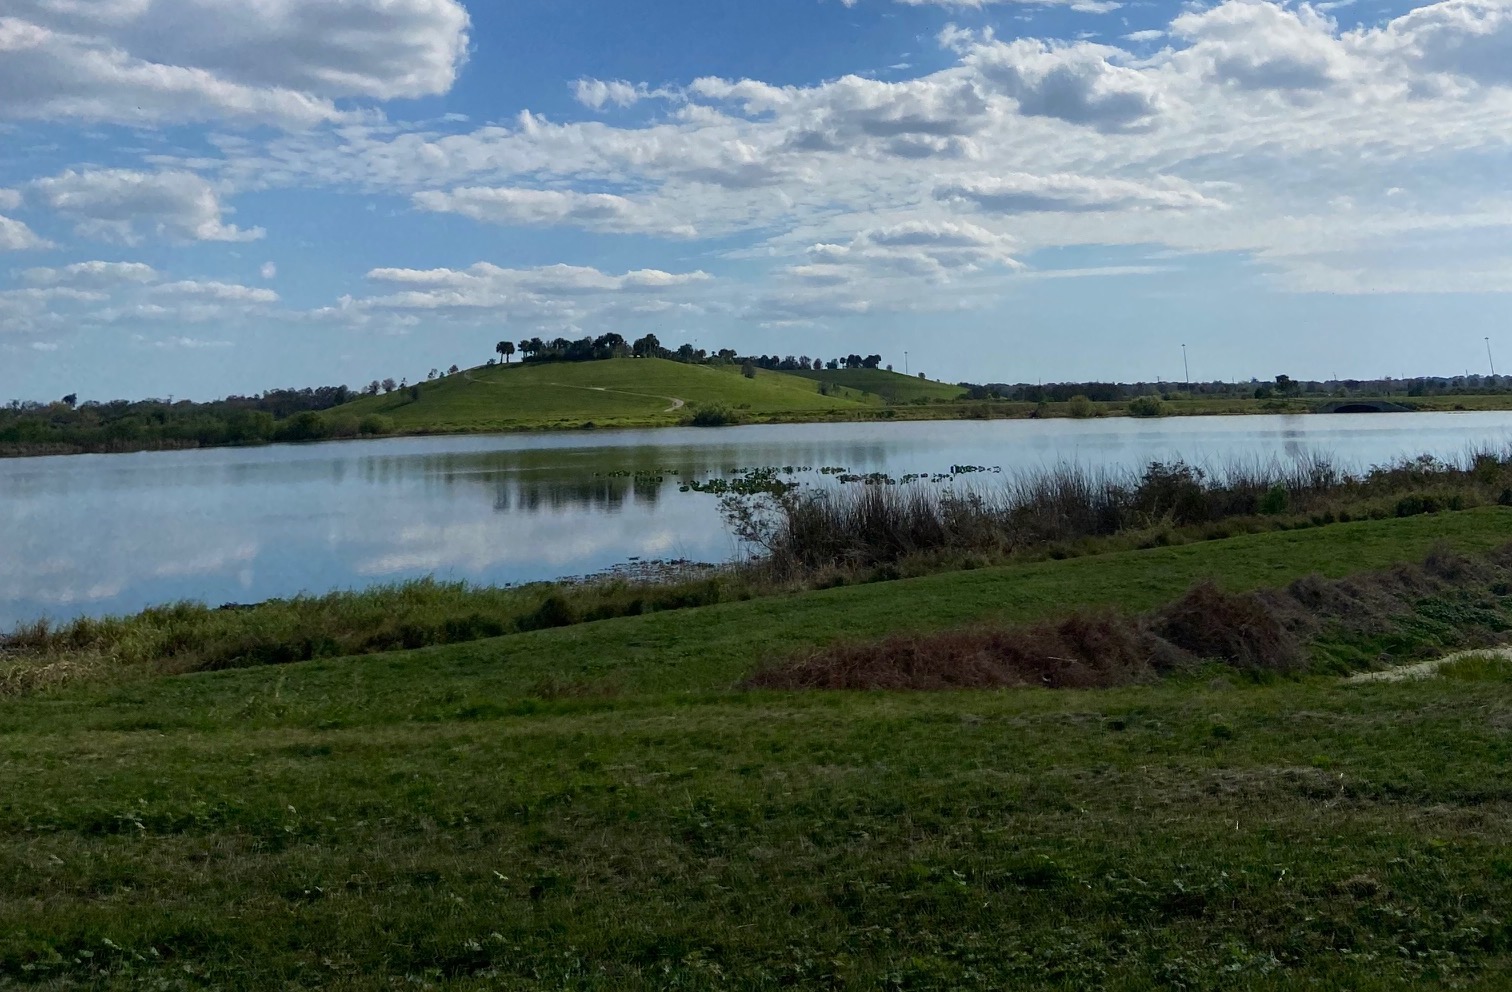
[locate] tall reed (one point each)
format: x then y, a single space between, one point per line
881 521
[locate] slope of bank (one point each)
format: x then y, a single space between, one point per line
618 392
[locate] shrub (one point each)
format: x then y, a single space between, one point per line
1415 505
716 415
554 611
1276 500
1146 406
375 424
305 426
342 425
1081 408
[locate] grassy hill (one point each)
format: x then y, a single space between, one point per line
596 807
620 392
890 387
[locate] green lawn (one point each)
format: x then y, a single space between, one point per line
891 387
617 392
594 807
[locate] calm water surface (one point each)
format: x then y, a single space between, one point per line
98 534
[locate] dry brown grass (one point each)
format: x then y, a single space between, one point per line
1256 632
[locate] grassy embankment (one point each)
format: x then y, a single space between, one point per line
620 392
597 807
627 392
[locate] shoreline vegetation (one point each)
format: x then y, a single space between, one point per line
859 530
551 394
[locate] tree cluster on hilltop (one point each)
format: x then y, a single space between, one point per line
586 349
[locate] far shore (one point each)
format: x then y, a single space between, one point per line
962 410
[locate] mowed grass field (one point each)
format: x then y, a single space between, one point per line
616 392
599 807
891 387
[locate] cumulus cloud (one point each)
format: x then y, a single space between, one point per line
92 274
16 236
890 267
596 94
561 298
604 212
1081 83
1255 44
119 204
141 61
219 291
1242 134
36 309
1471 39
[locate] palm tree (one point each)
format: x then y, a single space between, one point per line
505 348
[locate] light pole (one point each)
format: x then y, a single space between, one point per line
1489 358
1186 369
905 363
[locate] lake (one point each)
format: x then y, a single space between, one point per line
101 534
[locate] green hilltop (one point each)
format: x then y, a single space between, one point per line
889 386
635 392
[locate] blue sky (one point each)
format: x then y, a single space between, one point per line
204 196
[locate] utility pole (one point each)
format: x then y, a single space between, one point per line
905 363
1489 358
1185 368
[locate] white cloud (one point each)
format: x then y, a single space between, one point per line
117 204
1080 83
188 343
604 212
1254 44
276 61
94 273
10 199
596 94
219 291
1471 39
16 236
1014 193
269 270
1082 6
561 298
35 309
1246 133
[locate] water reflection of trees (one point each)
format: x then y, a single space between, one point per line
603 480
604 494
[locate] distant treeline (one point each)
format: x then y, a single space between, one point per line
68 426
536 350
1282 387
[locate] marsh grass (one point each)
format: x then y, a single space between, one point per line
1058 510
192 637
